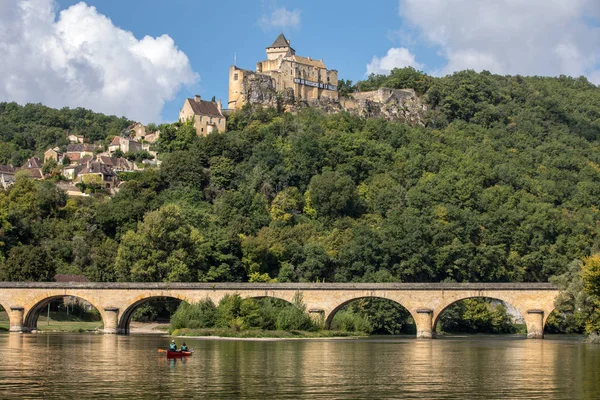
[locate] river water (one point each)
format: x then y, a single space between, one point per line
477 367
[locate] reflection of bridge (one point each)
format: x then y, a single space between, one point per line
424 301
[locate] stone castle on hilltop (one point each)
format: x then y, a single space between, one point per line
290 82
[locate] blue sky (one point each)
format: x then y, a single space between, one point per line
142 58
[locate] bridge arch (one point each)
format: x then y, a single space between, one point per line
329 317
436 320
31 318
125 318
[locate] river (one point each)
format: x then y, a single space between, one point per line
476 367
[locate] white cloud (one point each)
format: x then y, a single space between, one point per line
280 18
395 58
81 59
528 37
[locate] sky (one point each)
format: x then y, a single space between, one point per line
142 58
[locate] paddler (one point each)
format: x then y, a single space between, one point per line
184 347
173 346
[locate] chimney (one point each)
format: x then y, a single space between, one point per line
220 106
197 98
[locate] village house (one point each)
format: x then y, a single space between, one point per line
33 166
125 145
53 154
116 163
75 138
137 131
207 115
7 176
97 173
152 137
71 171
76 152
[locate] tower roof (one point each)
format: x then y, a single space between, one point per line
281 41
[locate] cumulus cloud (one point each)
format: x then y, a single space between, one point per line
79 58
528 37
395 58
280 18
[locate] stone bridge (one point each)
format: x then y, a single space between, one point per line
425 301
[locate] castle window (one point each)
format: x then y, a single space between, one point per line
235 76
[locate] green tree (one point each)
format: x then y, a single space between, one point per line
162 249
334 195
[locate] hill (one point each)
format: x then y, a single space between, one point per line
501 184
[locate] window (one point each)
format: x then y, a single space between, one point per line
235 76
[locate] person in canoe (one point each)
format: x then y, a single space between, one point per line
173 346
184 347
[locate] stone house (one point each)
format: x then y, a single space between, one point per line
137 130
97 173
152 137
71 171
53 154
75 138
80 150
207 115
7 176
116 163
33 166
125 145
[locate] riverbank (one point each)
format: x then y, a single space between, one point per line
258 334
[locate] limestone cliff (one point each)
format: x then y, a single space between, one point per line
392 104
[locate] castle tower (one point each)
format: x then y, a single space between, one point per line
280 48
236 76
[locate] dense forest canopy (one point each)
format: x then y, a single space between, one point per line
501 184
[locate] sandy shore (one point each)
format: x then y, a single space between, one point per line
149 328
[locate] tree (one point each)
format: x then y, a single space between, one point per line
163 249
29 264
334 195
345 87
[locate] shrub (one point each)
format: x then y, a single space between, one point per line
194 316
347 321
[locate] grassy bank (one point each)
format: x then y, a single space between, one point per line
59 322
259 333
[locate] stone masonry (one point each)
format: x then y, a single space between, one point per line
424 301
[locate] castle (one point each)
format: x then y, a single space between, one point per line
289 82
301 77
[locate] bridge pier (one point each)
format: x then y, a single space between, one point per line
16 319
535 324
424 323
111 320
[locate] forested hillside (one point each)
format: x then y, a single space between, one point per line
26 131
502 184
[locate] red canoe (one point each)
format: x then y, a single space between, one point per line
178 354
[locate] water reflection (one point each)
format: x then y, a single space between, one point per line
85 365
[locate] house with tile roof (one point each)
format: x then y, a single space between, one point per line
97 174
125 145
207 115
302 78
